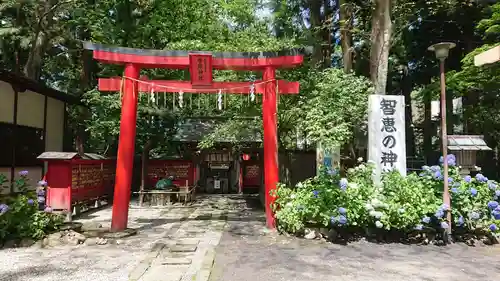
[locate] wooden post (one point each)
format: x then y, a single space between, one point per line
269 117
126 145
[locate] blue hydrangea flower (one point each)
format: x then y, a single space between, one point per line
41 199
426 219
497 192
23 173
42 183
3 208
496 214
467 178
444 225
475 215
454 190
342 220
493 227
435 168
444 207
315 193
30 201
419 227
332 172
40 192
492 205
342 211
460 221
426 168
450 180
333 220
473 191
343 183
492 185
481 178
438 175
439 214
450 159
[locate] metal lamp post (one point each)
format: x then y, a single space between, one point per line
442 50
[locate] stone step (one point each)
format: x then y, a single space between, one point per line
176 261
183 248
187 241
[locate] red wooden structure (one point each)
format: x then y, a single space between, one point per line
201 67
74 181
182 170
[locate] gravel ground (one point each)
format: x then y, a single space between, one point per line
248 253
92 263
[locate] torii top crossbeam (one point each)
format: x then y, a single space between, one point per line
201 66
181 59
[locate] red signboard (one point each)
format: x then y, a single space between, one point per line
251 175
200 69
180 170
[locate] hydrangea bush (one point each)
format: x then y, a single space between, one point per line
26 215
404 204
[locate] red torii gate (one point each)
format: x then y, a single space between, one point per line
200 65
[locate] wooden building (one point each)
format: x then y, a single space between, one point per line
32 120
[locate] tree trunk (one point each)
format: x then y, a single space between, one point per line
380 39
40 41
407 86
428 129
316 39
346 20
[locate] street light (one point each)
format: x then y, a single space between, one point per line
442 50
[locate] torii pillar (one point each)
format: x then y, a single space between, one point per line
201 66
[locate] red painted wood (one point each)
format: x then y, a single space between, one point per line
252 177
126 146
58 179
269 118
183 62
113 85
200 70
67 186
182 170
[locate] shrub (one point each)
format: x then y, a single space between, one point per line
403 204
25 215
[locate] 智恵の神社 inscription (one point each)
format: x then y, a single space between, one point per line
386 133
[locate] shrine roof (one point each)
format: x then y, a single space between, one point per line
177 59
193 130
467 142
24 83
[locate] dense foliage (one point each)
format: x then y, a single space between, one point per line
26 215
404 204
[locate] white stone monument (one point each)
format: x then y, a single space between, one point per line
386 133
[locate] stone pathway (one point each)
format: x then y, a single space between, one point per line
188 250
173 243
248 253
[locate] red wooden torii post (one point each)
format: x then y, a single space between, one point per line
200 65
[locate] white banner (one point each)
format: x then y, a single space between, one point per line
386 133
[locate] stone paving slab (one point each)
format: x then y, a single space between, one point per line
183 248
